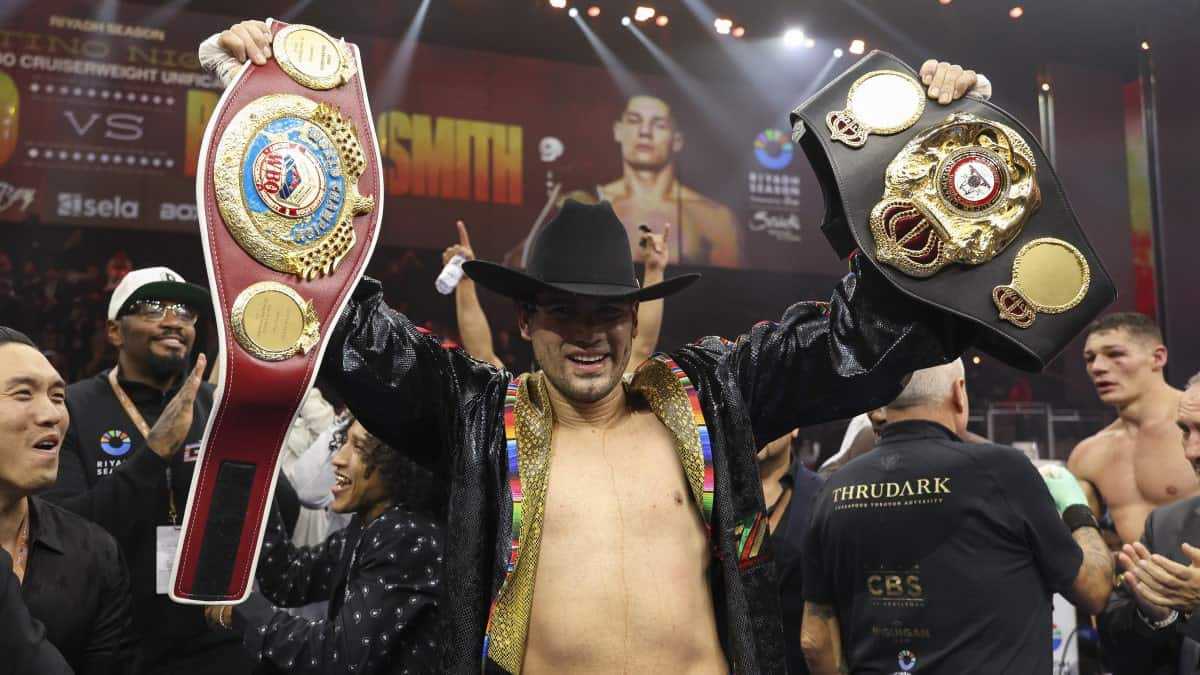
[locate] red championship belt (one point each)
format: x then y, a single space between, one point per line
290 204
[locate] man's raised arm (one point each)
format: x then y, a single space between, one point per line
394 377
832 360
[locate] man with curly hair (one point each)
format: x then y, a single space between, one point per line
380 574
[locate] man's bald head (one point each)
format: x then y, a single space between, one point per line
937 394
930 386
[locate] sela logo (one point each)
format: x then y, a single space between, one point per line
75 205
782 226
114 126
10 195
177 211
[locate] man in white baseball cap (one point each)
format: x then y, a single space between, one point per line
128 456
156 283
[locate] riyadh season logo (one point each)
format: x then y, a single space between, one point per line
906 660
773 149
115 442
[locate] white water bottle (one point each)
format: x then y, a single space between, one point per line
451 274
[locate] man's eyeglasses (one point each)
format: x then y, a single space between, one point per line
156 310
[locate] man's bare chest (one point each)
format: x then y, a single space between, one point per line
620 487
1146 467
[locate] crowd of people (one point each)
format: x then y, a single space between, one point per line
613 509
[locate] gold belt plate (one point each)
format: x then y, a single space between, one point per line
1049 276
286 182
958 192
312 58
273 322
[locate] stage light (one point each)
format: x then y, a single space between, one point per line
662 20
857 46
642 13
1045 86
572 12
1145 46
793 37
594 11
723 26
976 360
1016 12
558 4
837 53
945 2
739 31
625 21
809 43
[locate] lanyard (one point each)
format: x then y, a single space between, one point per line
21 559
135 416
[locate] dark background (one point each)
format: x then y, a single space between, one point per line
1090 55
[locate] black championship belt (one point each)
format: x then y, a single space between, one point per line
289 186
957 205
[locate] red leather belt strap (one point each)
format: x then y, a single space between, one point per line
257 399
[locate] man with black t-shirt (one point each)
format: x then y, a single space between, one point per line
127 459
931 555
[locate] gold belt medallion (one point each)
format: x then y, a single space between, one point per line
881 102
271 321
959 192
312 58
286 180
1049 276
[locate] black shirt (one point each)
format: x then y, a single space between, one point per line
23 641
939 556
787 541
107 474
77 585
382 582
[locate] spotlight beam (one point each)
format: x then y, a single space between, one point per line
915 51
159 17
294 11
621 75
394 82
819 80
700 95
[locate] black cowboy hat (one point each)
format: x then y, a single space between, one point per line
583 251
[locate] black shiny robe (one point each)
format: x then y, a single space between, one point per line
821 361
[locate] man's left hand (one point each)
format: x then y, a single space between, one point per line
947 81
652 248
1166 582
219 616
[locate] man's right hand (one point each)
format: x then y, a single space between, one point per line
463 247
169 432
1131 557
1064 488
247 40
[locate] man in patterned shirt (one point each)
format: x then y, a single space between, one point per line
380 574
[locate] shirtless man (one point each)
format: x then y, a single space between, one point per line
641 523
649 192
1133 465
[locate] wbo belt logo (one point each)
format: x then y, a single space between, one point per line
773 149
906 660
115 442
